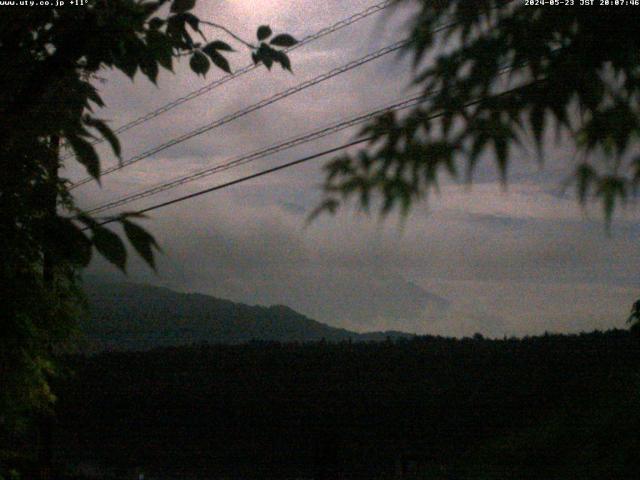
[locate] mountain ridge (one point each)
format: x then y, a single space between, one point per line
130 316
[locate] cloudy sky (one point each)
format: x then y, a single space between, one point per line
515 262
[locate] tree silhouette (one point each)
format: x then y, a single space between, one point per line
634 318
514 72
552 406
511 72
48 98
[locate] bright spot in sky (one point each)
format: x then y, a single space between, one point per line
264 10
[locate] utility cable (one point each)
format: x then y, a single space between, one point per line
257 106
247 158
246 69
270 150
245 111
297 162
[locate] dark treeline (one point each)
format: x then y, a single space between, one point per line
555 406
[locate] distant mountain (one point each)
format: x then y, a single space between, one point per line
125 316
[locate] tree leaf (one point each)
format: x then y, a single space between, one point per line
128 56
149 67
91 93
181 6
218 60
283 40
501 146
265 55
175 27
110 246
86 155
611 188
128 63
479 144
105 131
585 175
192 20
142 241
536 118
150 8
69 243
199 63
635 178
282 59
218 45
161 48
90 222
329 205
264 31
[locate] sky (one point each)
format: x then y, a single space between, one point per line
481 259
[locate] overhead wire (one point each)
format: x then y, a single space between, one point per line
305 138
247 158
243 70
245 111
278 147
299 161
396 46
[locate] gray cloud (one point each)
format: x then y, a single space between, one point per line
468 261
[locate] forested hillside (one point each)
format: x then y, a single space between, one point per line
126 316
556 406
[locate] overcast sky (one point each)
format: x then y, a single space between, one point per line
519 262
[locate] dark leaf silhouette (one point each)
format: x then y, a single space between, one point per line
199 63
510 72
219 45
86 155
110 246
181 6
212 51
105 131
283 40
264 32
142 241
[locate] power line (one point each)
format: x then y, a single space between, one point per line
247 158
249 177
257 106
246 69
300 160
242 179
252 108
270 150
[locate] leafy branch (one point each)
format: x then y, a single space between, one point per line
589 95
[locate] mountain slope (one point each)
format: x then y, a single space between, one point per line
138 317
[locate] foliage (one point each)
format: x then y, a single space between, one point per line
574 71
50 59
139 317
552 406
634 318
